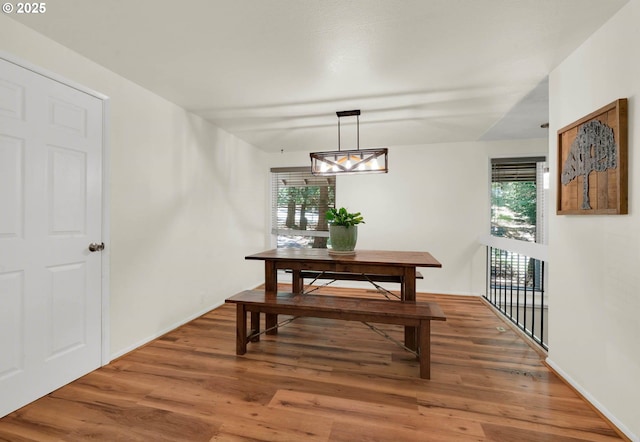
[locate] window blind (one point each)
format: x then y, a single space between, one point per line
505 170
518 198
299 202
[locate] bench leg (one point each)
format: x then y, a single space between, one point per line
241 329
255 326
411 338
270 322
425 349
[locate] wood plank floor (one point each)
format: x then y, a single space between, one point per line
319 380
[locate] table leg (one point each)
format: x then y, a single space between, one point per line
408 294
408 286
297 283
271 289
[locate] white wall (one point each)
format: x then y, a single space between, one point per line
184 205
594 325
434 198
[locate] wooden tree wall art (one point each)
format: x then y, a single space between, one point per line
592 163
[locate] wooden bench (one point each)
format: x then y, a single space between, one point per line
414 314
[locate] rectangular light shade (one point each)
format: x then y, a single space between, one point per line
343 162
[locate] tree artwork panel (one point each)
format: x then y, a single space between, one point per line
592 163
594 149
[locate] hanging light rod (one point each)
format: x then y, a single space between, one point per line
346 162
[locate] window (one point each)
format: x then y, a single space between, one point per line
517 198
299 204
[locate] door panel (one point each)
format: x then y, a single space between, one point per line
67 191
50 210
11 99
11 192
67 309
11 323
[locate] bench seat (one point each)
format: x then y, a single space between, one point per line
414 314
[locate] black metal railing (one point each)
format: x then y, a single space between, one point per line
515 286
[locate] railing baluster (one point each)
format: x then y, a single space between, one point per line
524 311
504 281
511 287
542 305
518 303
532 289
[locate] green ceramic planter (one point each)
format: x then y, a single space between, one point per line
343 239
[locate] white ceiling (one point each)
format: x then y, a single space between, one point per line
274 72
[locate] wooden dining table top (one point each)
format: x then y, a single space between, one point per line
377 257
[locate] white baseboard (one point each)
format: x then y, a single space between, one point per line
606 413
165 331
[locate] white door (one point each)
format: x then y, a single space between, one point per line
50 210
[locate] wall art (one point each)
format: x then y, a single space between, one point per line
592 163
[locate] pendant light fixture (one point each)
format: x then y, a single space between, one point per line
345 162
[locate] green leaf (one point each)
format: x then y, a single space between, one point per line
341 217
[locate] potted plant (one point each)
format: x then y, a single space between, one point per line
343 230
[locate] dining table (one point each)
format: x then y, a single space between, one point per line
400 264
